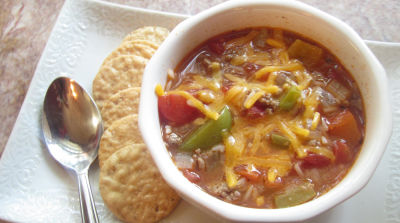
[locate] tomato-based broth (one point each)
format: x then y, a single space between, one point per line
262 118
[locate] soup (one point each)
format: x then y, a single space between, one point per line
262 118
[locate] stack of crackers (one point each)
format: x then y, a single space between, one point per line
130 183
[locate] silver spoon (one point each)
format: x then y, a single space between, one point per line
72 128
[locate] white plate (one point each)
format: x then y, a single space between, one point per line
34 188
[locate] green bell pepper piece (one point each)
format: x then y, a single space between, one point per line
279 140
209 134
295 196
290 98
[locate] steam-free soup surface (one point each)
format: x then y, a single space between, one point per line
262 118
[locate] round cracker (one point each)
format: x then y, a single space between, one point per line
152 33
119 105
122 72
142 48
122 132
133 189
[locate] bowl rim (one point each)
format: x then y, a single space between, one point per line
239 213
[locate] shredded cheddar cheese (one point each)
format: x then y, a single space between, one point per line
267 162
272 174
238 60
293 139
304 79
284 57
311 102
252 98
231 177
322 151
300 131
267 88
233 92
287 67
215 67
260 201
315 120
242 40
275 43
262 78
203 81
232 151
159 90
271 79
206 96
197 104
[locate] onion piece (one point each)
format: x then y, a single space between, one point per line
298 170
337 89
184 161
329 102
249 191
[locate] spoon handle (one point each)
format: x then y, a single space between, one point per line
88 208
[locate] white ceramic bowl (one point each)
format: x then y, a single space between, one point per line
338 37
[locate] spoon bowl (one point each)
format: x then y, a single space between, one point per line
72 128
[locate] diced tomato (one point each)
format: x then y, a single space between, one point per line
345 126
315 160
253 176
191 176
342 151
175 110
